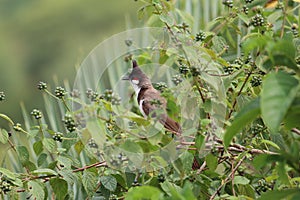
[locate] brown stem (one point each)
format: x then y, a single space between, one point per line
98 164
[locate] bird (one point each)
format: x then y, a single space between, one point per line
151 103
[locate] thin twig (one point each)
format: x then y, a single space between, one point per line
295 130
98 164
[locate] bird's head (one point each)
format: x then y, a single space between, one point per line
137 78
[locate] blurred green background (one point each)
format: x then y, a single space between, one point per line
41 39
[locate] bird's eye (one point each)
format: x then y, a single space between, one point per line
135 81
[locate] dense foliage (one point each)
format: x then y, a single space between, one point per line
235 91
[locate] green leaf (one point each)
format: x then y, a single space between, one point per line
79 146
89 181
187 191
8 173
60 188
253 41
187 161
49 144
23 154
44 171
109 182
3 136
280 194
241 180
36 189
144 192
211 161
41 159
278 92
243 118
166 19
38 147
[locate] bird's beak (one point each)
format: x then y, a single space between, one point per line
125 77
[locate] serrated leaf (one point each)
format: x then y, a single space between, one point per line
38 147
41 159
60 188
49 144
3 136
44 171
23 154
278 92
109 182
150 192
64 161
36 189
89 181
244 117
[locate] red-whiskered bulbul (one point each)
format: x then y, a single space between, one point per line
151 103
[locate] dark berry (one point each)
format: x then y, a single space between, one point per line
183 70
161 178
42 85
37 114
249 1
279 5
195 71
128 42
295 31
228 70
58 137
2 96
60 92
17 127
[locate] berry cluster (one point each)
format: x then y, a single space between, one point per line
75 93
195 71
256 81
111 97
297 59
177 79
37 114
2 96
183 69
228 69
5 184
257 20
161 178
42 85
92 95
92 143
116 160
263 186
200 36
17 127
60 92
245 9
69 123
58 137
161 86
257 128
132 124
249 1
279 5
295 31
228 3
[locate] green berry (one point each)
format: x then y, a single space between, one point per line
37 114
2 96
58 137
69 123
42 85
115 100
60 92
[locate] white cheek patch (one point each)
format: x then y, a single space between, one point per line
135 81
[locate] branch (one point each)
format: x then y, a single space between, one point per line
227 178
98 164
295 130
